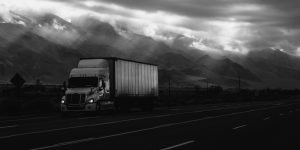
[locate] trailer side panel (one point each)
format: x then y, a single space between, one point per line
135 79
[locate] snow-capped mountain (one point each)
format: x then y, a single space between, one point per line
46 47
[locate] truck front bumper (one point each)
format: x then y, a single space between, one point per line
76 108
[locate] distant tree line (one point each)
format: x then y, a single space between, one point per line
40 98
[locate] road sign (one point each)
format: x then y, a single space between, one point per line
17 80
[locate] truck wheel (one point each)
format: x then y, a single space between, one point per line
117 106
124 105
124 108
147 105
147 108
65 114
98 109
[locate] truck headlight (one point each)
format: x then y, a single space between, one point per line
91 101
63 100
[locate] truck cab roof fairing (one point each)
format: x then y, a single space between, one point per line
115 59
93 63
88 72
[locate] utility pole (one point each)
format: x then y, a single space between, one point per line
207 84
169 86
239 82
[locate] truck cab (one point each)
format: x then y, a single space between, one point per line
88 88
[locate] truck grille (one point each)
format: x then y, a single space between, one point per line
75 107
75 98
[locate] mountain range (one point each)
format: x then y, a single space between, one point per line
46 47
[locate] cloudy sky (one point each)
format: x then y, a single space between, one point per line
212 25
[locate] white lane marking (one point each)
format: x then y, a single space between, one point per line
5 121
87 118
198 111
145 129
178 145
164 125
267 118
238 127
17 117
11 126
174 109
128 120
106 123
82 126
64 143
175 114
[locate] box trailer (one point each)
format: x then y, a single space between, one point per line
110 83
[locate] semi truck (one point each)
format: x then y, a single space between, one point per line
110 83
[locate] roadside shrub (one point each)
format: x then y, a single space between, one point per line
10 106
40 105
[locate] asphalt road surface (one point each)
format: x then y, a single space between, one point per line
253 126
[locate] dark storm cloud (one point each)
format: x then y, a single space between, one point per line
191 8
250 24
272 12
275 22
271 22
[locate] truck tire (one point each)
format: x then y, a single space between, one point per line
65 114
123 105
98 107
147 105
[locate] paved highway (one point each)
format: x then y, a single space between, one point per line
237 126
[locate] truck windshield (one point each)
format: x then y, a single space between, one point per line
79 82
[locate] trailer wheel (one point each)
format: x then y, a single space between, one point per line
147 108
117 106
123 105
147 105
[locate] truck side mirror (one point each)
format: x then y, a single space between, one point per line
102 84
